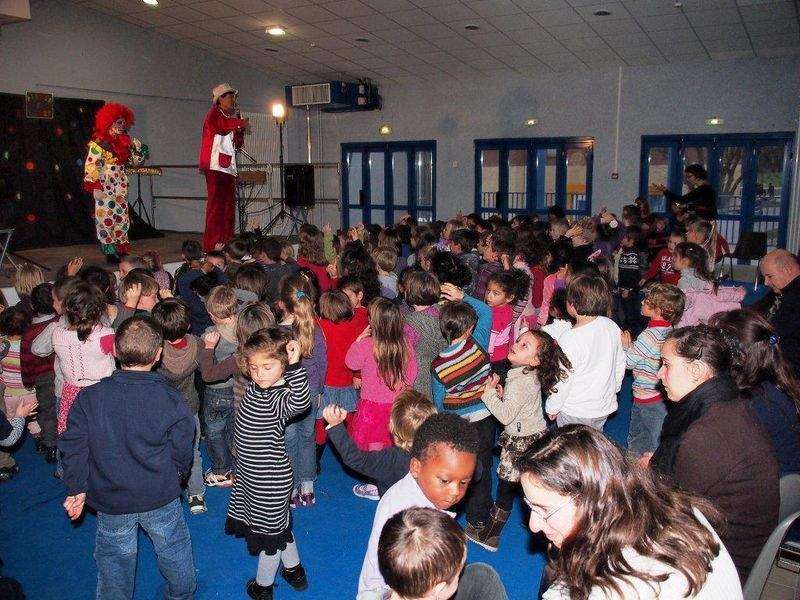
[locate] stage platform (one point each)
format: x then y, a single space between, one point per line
168 247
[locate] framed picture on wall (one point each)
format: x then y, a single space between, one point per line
38 105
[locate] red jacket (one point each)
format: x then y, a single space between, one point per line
33 367
217 123
662 266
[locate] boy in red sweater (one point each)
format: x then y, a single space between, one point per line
661 265
38 373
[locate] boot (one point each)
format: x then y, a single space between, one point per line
489 535
258 592
296 577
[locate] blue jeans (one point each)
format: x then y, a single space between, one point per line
300 446
219 417
116 552
195 485
646 422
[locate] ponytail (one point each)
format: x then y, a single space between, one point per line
297 297
84 308
554 366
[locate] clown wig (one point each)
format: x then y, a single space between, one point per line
104 119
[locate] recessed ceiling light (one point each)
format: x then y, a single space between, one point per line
276 31
713 121
472 27
531 122
363 40
151 2
385 129
602 12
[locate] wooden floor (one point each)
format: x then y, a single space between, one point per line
168 247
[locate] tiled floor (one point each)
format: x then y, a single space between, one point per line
782 584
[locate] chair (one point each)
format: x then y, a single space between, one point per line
763 565
752 245
790 495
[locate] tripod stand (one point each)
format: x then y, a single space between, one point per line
280 118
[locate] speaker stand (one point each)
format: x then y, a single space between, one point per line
293 219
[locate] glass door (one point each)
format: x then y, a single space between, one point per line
516 164
381 182
728 177
771 191
488 182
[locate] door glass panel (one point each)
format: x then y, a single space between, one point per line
517 178
377 217
546 170
376 180
658 160
490 178
353 177
424 216
424 176
731 170
577 159
355 216
769 190
400 178
694 155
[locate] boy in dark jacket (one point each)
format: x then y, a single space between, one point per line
388 466
127 446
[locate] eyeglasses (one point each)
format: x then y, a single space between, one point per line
538 511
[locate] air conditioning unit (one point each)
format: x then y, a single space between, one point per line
335 96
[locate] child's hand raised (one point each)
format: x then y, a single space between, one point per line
164 294
132 295
211 339
327 229
332 270
74 266
625 337
452 293
293 350
364 334
493 383
334 415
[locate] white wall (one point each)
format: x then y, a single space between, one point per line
73 51
751 95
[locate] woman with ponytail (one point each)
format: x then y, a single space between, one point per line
766 379
388 366
297 298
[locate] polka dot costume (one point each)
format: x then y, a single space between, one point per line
110 195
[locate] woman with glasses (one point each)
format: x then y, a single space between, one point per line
621 533
712 443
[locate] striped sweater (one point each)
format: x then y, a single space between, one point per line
463 369
644 358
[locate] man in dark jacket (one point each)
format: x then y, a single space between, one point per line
127 446
701 200
781 306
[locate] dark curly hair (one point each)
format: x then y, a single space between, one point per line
448 268
514 283
554 366
445 428
84 306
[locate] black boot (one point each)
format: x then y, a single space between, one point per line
489 535
296 577
258 592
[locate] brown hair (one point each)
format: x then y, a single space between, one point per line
389 345
312 244
172 315
152 260
221 302
421 288
253 317
137 341
419 548
554 365
620 505
587 229
385 258
138 276
270 341
26 278
298 299
84 307
667 299
698 260
251 278
589 296
335 306
409 411
13 321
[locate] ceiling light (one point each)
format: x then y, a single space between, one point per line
602 12
276 31
714 121
151 2
270 50
363 40
385 130
278 111
472 27
531 122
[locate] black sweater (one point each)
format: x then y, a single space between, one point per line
702 200
128 443
386 467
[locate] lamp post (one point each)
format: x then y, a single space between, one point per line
279 113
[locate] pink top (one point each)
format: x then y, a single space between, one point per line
502 316
548 287
361 357
84 363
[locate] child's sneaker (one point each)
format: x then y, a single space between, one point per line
197 505
295 500
366 490
307 499
296 577
258 592
218 480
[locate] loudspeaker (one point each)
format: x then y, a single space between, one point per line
298 185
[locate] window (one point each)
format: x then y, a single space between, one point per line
381 182
527 176
751 173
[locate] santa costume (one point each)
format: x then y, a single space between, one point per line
223 134
110 151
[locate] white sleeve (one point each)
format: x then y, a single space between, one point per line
42 344
370 577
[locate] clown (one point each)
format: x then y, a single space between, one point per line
110 151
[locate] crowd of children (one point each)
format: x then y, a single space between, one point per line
405 346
